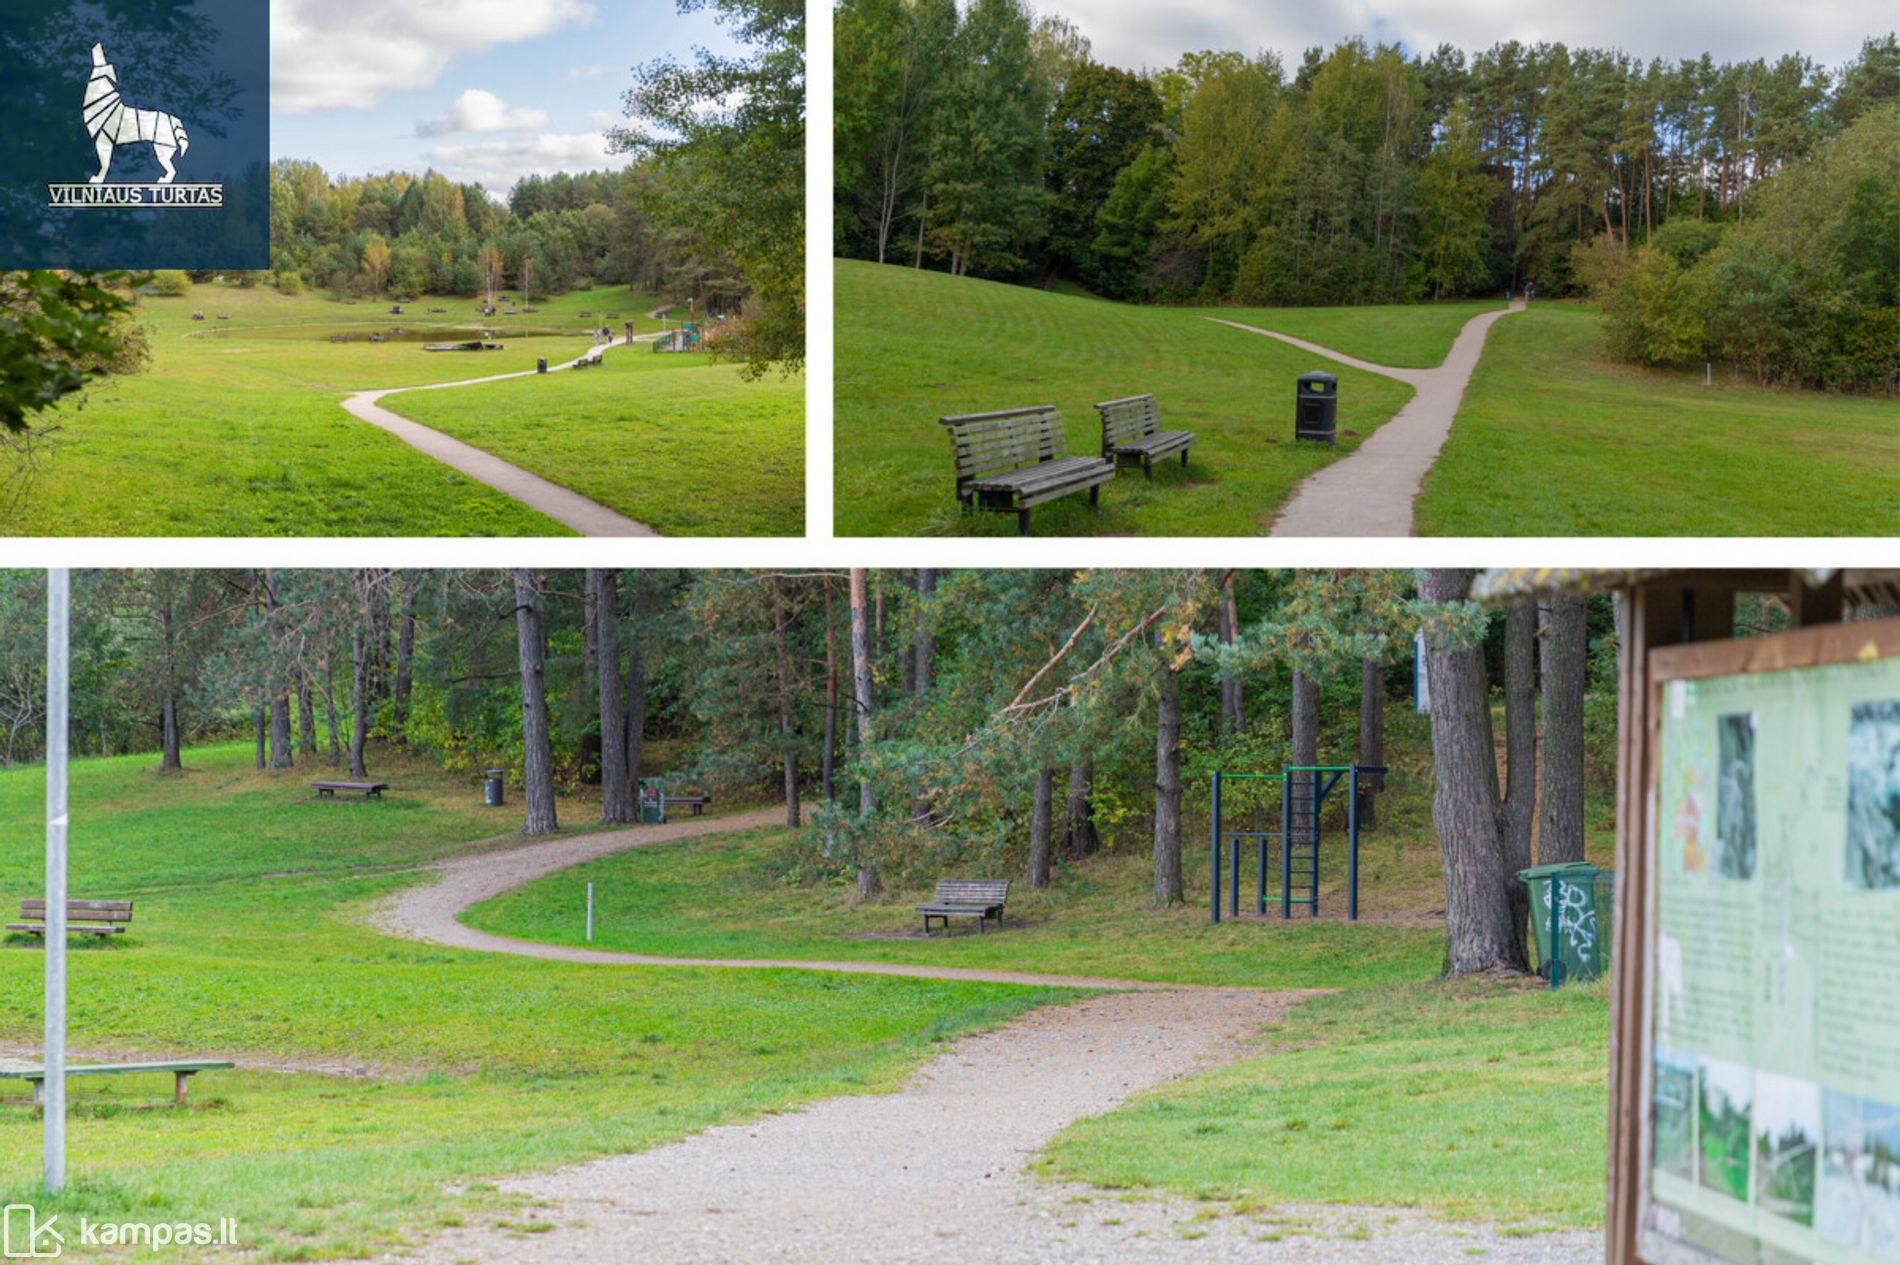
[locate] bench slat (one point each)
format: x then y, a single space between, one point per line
39 902
114 1069
72 929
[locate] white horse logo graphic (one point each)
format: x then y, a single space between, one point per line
111 124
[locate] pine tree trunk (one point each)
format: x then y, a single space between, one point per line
1305 744
263 752
306 716
926 649
359 699
616 789
1232 715
170 757
787 728
405 653
861 697
828 762
537 756
1566 653
169 743
1041 826
1371 739
1167 864
1519 810
329 710
636 697
1465 798
280 753
1082 837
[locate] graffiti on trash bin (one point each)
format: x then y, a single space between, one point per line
1576 917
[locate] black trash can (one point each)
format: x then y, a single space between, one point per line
491 788
542 365
1316 410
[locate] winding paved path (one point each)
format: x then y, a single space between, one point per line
1370 492
936 1171
563 505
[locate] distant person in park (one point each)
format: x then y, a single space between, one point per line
1530 292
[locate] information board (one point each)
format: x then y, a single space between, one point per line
1773 1084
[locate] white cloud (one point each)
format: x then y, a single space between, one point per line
497 164
478 110
1124 33
345 54
587 72
604 118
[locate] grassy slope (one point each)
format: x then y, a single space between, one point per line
914 346
683 446
487 1065
1405 335
1467 1099
1554 439
235 429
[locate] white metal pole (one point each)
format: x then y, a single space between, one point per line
590 913
58 598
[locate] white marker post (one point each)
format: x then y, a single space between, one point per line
58 605
590 913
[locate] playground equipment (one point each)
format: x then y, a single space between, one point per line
1303 792
685 338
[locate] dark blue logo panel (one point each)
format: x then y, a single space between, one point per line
138 134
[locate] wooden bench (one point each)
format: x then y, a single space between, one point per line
365 789
83 917
1018 459
1132 434
981 899
695 802
182 1072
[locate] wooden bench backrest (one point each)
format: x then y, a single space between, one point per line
989 443
1127 419
80 910
971 891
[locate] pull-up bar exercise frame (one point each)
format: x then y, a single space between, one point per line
1218 836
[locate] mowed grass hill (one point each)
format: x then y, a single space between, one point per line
235 427
914 346
1552 438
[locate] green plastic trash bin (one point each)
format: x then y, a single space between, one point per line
652 802
1570 918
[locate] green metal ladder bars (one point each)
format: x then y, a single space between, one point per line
1301 799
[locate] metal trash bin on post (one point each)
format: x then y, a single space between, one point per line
541 365
492 784
1316 407
1571 905
652 801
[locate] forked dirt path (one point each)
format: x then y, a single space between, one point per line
563 505
935 1171
1370 492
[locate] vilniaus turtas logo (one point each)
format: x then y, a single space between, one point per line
112 123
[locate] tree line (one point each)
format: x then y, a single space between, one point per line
915 722
987 141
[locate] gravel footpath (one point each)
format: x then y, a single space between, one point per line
935 1171
429 913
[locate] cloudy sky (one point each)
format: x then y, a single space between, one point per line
1135 34
484 90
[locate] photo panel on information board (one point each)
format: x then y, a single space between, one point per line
452 269
1106 268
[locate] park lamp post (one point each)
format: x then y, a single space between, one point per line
58 611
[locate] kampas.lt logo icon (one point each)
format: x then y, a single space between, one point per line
111 123
24 1237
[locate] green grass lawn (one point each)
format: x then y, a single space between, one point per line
687 447
478 1066
1556 439
914 346
1470 1100
235 428
1404 335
